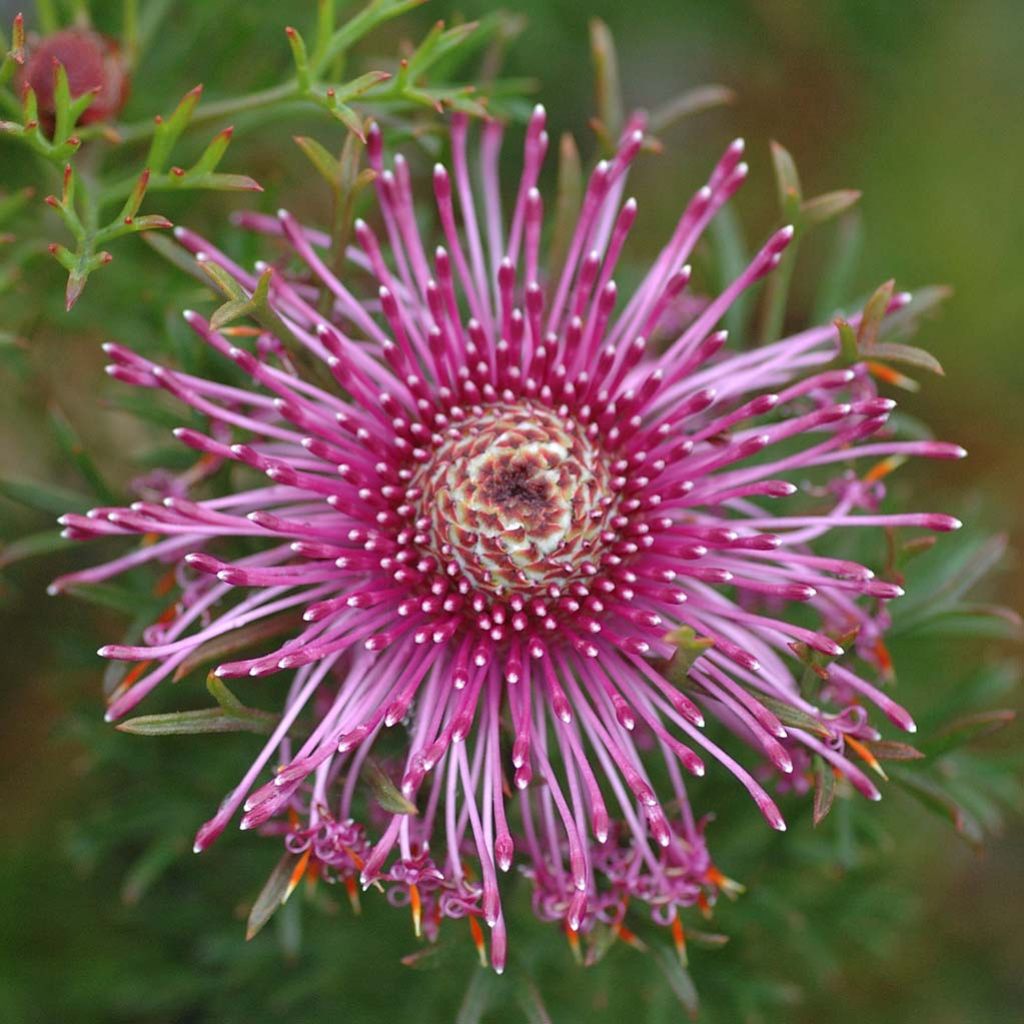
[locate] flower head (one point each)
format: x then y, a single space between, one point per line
532 530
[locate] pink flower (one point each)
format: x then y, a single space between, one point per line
515 500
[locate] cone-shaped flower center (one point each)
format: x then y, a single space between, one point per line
517 499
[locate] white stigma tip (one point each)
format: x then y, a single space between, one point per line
197 848
108 716
178 232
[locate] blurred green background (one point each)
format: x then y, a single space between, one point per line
918 104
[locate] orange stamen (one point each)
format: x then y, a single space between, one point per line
297 873
630 938
574 942
882 469
705 907
132 676
165 584
679 938
866 756
241 331
417 910
729 886
353 856
312 874
883 656
353 894
478 939
890 376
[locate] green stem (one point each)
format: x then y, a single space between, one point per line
10 101
142 130
47 16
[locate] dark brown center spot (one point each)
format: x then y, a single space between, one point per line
516 489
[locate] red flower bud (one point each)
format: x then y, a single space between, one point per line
92 62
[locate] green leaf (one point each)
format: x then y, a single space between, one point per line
607 88
375 13
849 352
477 998
272 895
731 259
436 44
220 647
679 979
567 200
694 101
940 590
789 715
328 166
153 863
169 131
213 154
892 750
201 721
967 729
787 180
824 789
839 269
923 303
13 203
874 313
301 58
931 795
175 254
894 352
688 648
385 792
31 545
222 694
109 595
707 940
828 206
74 449
43 497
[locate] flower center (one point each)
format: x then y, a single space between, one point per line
517 499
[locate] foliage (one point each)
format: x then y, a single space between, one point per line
118 857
